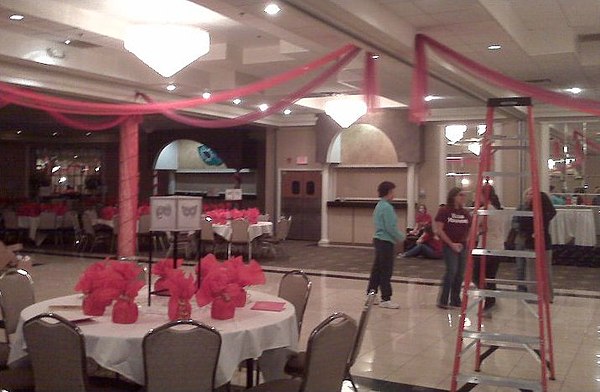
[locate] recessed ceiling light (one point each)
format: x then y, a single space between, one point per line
431 98
206 95
263 107
19 132
75 156
54 133
16 17
88 134
272 9
495 47
573 90
171 87
287 112
237 101
375 56
67 41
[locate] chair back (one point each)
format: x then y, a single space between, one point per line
263 218
283 228
11 220
16 293
295 287
87 223
71 221
327 354
181 356
144 224
239 231
57 351
206 231
47 220
362 326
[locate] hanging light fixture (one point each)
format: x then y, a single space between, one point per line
345 110
167 48
455 132
475 148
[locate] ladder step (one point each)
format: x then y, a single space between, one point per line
510 147
505 212
529 254
515 383
513 282
503 338
506 174
481 293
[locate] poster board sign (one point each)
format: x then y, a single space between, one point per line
175 213
233 194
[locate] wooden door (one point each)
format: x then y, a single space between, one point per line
301 199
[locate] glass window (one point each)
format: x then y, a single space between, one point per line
296 187
310 188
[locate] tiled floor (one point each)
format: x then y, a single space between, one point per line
411 349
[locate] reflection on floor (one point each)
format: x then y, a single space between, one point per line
411 349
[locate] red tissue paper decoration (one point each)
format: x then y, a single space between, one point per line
222 284
124 277
98 294
182 289
161 269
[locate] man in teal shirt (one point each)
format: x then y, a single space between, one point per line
385 239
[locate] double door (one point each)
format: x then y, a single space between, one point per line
301 199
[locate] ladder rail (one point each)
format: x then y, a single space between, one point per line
480 215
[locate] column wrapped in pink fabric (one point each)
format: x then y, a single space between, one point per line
128 186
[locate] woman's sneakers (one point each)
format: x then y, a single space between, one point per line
389 305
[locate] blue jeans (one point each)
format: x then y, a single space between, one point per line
453 278
422 249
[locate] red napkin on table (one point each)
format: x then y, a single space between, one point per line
269 306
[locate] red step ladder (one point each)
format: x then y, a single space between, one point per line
540 345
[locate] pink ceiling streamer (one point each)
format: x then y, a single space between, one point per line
28 98
418 106
256 115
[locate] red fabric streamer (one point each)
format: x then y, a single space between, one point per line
370 90
418 107
258 114
35 100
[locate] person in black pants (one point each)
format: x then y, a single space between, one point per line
386 238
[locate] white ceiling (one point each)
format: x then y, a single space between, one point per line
553 42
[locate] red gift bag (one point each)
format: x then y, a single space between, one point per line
179 309
125 311
222 308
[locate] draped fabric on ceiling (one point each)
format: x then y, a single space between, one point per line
418 106
129 115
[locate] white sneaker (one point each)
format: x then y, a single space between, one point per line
389 305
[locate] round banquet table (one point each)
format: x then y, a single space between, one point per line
118 347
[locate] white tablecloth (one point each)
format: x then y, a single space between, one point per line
32 223
254 230
566 225
118 347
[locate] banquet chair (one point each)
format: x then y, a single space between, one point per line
207 236
16 293
328 349
295 287
48 224
94 237
281 232
11 226
69 227
239 236
181 356
263 218
57 352
154 237
296 364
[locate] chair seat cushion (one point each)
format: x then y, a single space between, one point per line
278 386
296 364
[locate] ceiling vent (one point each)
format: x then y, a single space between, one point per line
539 81
589 37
